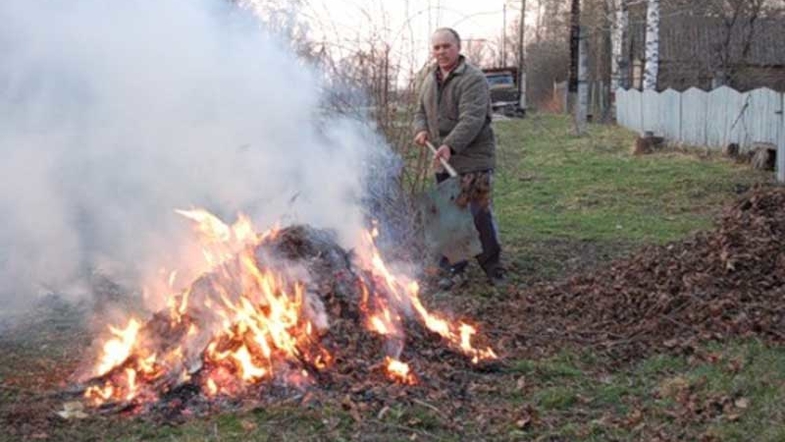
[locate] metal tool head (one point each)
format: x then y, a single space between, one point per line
449 228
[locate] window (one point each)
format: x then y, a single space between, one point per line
500 79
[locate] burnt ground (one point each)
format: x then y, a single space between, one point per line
579 314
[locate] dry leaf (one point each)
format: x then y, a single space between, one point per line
742 403
355 415
670 343
523 422
735 365
526 418
72 410
248 425
634 417
521 383
672 386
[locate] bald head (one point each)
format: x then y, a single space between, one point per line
451 33
446 47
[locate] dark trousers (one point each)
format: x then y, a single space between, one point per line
490 258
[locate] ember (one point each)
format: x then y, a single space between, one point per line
260 315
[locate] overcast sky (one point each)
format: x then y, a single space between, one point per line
407 20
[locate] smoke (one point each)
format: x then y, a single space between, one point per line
113 114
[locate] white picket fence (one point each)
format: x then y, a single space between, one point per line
713 119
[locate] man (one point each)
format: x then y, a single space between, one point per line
455 114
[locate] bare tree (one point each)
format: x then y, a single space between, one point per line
283 18
738 31
478 51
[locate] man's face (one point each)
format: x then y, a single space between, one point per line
445 49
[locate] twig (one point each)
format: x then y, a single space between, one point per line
600 332
675 322
776 333
637 336
432 407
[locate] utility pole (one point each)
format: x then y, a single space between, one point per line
521 52
582 104
504 35
575 32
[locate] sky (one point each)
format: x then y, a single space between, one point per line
411 20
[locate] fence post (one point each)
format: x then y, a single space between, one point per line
582 99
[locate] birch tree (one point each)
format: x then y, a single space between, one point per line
652 65
618 32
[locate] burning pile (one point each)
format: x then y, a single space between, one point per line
260 316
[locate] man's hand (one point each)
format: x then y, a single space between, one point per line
421 137
442 152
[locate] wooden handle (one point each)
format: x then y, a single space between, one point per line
444 162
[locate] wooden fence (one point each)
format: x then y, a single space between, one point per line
713 119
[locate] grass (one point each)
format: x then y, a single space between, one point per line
734 392
564 204
280 424
590 188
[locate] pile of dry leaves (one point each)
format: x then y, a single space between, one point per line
729 281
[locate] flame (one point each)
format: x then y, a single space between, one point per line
244 323
117 350
399 371
147 365
99 395
131 380
248 370
405 296
212 388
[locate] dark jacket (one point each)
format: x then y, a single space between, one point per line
458 114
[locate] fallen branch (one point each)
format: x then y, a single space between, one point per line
432 407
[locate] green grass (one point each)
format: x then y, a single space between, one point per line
746 377
551 184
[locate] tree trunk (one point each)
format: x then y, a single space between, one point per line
652 67
617 41
575 22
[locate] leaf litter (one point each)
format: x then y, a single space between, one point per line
712 286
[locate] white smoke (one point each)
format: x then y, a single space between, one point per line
113 114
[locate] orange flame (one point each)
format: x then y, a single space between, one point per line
118 349
405 296
399 371
247 323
